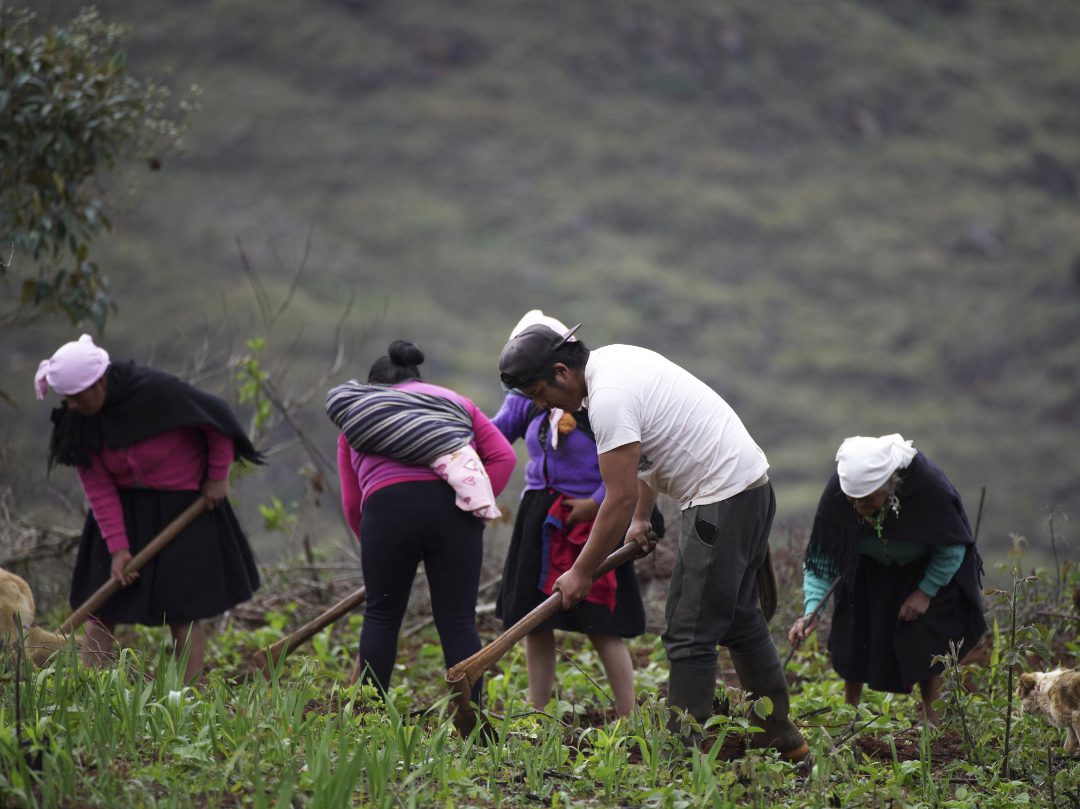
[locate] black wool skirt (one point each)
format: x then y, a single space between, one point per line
205 570
520 590
869 644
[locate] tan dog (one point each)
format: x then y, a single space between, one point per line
1056 695
16 599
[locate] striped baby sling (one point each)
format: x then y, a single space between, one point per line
410 427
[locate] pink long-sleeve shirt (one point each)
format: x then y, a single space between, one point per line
176 460
363 474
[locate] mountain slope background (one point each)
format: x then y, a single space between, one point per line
849 218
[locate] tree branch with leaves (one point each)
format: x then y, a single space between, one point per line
70 112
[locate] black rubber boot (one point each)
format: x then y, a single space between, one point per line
761 674
691 689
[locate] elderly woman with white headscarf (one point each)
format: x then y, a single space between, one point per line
145 446
892 527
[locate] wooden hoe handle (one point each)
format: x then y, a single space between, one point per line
462 677
105 591
280 650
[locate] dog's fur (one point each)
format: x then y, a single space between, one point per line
16 599
1056 695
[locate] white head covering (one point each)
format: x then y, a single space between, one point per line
534 316
72 369
865 464
531 318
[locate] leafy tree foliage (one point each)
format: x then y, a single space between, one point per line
69 112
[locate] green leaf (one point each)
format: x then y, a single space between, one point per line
763 707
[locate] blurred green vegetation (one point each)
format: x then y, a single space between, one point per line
850 218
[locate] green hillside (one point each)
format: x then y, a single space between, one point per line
848 217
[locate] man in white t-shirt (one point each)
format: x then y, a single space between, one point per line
660 429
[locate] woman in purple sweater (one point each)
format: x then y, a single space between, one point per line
563 492
145 446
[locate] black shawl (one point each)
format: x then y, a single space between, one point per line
141 402
930 514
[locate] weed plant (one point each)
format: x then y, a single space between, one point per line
134 735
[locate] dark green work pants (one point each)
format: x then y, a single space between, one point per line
713 596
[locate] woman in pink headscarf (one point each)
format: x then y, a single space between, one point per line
145 445
892 527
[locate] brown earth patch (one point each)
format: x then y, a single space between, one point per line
946 747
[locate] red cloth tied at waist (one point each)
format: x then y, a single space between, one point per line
561 547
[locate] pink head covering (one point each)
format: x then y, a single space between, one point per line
866 464
72 369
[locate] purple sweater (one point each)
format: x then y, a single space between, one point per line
572 468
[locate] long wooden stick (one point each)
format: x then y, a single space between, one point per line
815 614
978 515
462 677
283 647
105 591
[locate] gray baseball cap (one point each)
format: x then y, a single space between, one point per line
528 354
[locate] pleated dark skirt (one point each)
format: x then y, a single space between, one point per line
869 644
205 570
520 590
